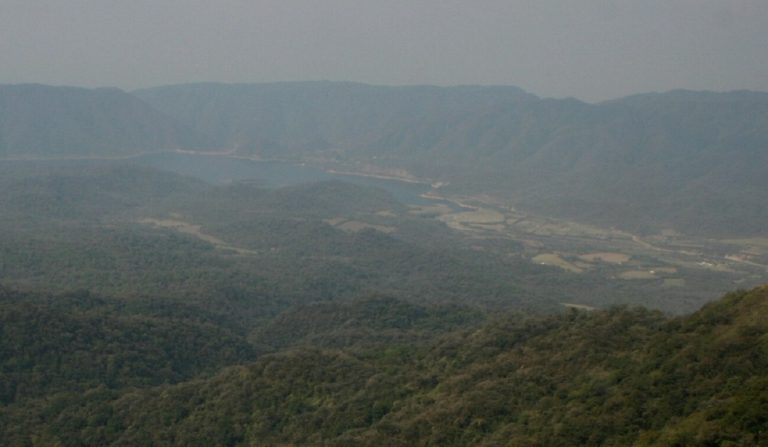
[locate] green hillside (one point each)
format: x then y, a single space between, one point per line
78 341
239 250
249 253
617 377
141 307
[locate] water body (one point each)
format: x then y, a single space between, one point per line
219 169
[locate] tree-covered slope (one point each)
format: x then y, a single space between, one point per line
77 341
38 121
241 251
295 118
369 321
691 161
617 377
250 253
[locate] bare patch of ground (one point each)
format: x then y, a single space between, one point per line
354 226
334 221
479 219
193 230
490 227
554 259
430 210
637 274
611 258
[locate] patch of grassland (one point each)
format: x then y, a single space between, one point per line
637 274
193 230
555 260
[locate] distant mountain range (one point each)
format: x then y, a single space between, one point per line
38 121
690 161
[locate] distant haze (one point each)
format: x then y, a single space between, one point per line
590 49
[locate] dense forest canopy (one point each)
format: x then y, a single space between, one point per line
553 283
617 377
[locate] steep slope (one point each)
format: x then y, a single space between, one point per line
44 121
619 377
692 161
321 118
77 341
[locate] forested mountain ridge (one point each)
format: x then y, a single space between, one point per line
40 121
119 229
616 377
685 160
291 119
682 160
76 341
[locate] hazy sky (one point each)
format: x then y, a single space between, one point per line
590 49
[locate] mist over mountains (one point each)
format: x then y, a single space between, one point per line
682 160
145 304
38 121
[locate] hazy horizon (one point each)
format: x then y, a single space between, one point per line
593 50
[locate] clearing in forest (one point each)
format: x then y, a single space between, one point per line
194 230
555 260
611 258
637 274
